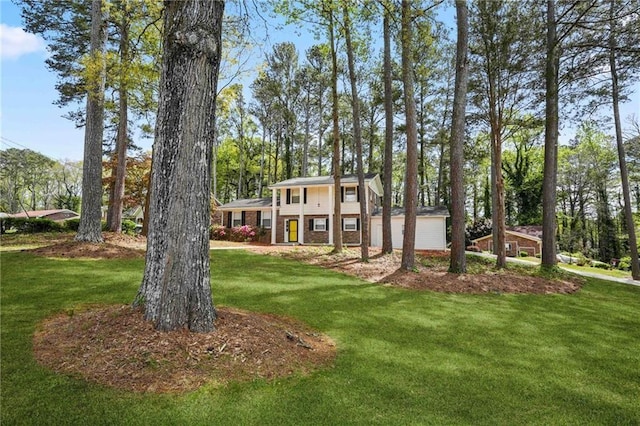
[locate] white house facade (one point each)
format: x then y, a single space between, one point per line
300 211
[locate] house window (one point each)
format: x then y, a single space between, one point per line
350 194
237 219
350 224
319 224
265 220
295 196
507 246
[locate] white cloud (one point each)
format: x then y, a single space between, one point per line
15 42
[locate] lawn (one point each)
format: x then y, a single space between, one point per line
404 357
616 273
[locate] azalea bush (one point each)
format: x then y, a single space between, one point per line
244 233
218 233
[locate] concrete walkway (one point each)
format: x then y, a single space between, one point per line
573 271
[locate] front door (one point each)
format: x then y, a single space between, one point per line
293 230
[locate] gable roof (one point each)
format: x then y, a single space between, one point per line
433 211
320 180
514 233
531 230
43 213
247 204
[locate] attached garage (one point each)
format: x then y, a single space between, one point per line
431 228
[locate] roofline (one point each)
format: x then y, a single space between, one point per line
370 177
517 234
248 209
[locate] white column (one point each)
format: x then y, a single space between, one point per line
274 218
330 204
301 217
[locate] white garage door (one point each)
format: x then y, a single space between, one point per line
430 232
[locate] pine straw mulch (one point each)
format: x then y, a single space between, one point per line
115 246
431 273
114 346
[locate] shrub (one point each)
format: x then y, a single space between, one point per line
72 224
600 265
581 258
625 263
523 253
244 233
128 227
31 226
218 233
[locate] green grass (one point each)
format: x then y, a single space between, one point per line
19 241
404 357
616 273
608 272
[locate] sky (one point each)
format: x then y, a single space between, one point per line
28 117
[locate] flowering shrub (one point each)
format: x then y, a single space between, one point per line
218 233
243 233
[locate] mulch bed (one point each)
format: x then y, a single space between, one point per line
384 269
114 346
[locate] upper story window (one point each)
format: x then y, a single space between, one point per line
293 195
350 194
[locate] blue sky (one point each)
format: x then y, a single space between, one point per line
28 118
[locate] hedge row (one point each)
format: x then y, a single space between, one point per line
35 225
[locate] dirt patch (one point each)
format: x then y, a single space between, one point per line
115 346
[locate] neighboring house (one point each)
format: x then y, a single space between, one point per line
300 210
515 243
431 228
134 214
58 215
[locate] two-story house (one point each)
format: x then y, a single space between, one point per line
300 210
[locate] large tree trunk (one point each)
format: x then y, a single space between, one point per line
624 174
387 241
114 219
335 162
307 134
458 263
90 227
411 173
550 142
498 215
119 167
320 128
357 135
262 153
176 288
